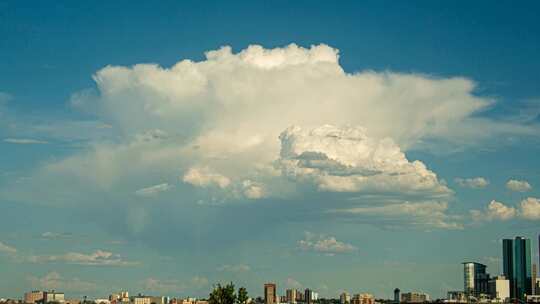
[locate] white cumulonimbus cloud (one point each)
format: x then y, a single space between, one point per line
217 122
518 185
473 183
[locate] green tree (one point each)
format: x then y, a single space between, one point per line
222 294
242 296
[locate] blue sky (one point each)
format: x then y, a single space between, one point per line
166 178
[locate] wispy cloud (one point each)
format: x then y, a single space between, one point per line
25 141
153 190
48 235
170 285
234 268
97 258
53 280
4 248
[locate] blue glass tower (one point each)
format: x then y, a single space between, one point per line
508 263
517 266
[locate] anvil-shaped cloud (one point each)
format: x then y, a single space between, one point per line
212 129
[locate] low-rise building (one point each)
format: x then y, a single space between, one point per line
456 297
499 289
53 296
345 298
363 298
291 296
33 296
414 297
141 300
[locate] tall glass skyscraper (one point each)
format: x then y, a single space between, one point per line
508 263
517 266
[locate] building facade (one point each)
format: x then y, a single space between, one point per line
345 298
363 298
397 295
522 267
456 297
291 295
141 300
270 293
517 266
33 296
308 296
475 279
499 289
414 297
52 296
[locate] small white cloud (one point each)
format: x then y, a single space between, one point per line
149 191
518 185
530 208
234 268
494 211
25 141
324 244
204 177
473 183
7 249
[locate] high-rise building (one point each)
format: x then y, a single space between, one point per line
475 279
345 298
499 288
308 296
522 267
508 263
291 296
533 280
517 266
270 292
396 295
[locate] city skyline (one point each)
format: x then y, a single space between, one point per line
165 147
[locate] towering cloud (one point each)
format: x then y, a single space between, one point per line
216 124
348 160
